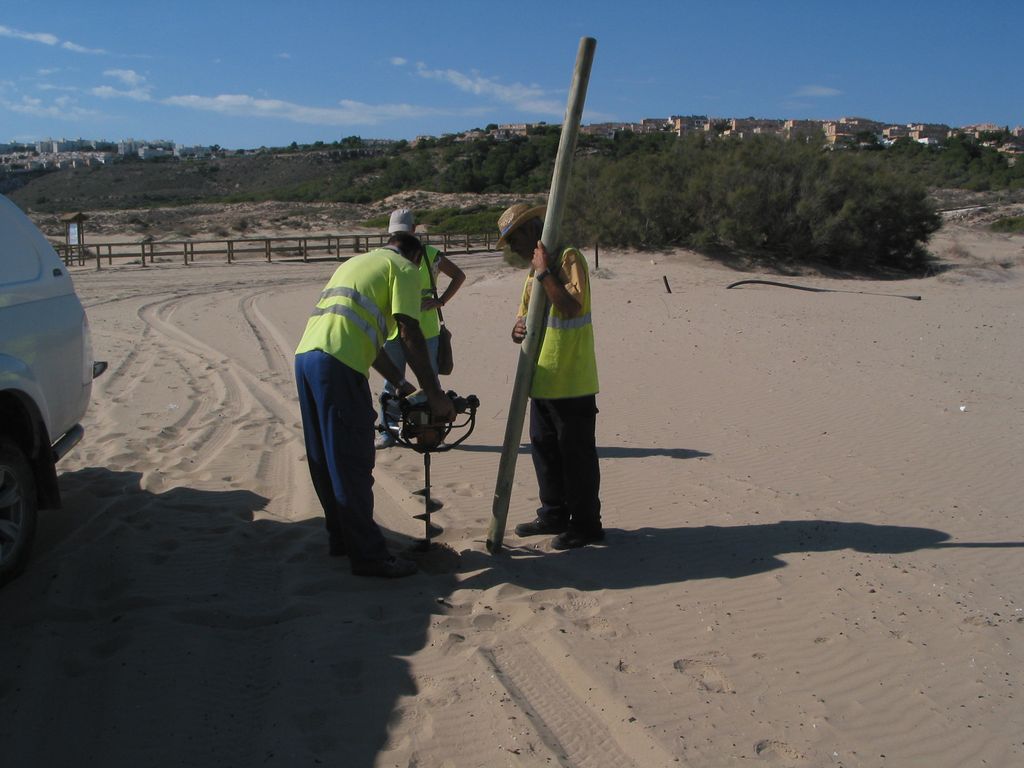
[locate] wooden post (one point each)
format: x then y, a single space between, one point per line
597 255
535 317
266 248
231 250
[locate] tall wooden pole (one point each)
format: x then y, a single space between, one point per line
538 309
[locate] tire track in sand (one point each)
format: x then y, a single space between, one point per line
581 723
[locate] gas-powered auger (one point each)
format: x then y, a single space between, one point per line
418 430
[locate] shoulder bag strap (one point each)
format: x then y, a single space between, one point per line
433 285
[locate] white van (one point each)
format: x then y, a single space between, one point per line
46 373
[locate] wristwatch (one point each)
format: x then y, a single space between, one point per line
542 274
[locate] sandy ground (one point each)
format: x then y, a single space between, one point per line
814 552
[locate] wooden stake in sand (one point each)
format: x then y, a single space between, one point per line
537 311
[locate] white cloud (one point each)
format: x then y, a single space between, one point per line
529 98
815 91
37 37
348 113
108 92
64 110
136 89
284 56
126 76
47 39
69 46
398 61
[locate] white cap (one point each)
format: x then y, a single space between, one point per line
401 221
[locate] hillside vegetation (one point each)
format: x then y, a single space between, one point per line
784 202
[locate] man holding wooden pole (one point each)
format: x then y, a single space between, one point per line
532 330
563 405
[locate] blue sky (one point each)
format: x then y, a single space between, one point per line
258 73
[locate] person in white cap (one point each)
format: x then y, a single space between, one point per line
433 263
368 296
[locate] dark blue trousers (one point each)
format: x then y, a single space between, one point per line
565 459
337 424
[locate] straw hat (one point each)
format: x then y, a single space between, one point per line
514 216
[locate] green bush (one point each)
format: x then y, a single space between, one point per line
761 198
469 222
476 220
1009 224
772 200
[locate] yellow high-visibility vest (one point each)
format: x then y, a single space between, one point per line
356 310
429 323
567 365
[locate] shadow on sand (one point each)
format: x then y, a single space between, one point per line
174 628
606 452
650 556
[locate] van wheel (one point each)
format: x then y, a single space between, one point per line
17 509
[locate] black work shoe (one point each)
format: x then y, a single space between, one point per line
575 539
540 527
391 568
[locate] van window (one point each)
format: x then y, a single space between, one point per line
19 260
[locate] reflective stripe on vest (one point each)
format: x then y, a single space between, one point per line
354 311
566 364
376 337
568 324
358 298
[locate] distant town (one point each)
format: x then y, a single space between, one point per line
51 154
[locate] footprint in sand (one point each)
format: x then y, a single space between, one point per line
463 489
775 748
485 621
707 676
454 643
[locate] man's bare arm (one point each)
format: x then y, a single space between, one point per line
419 360
383 365
457 277
548 277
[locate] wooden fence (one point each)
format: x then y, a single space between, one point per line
318 247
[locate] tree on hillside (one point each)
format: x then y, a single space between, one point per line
772 200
